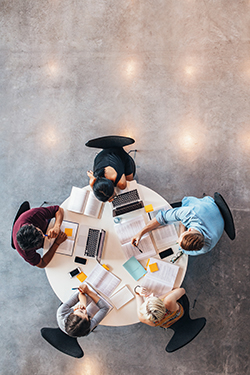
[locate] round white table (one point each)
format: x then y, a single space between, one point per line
113 257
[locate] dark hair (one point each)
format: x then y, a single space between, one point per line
103 189
192 241
29 237
77 326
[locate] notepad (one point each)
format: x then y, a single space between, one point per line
67 247
121 297
134 268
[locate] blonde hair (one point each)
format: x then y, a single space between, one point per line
153 309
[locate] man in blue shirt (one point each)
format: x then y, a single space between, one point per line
201 224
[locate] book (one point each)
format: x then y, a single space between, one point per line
126 230
105 282
66 247
83 201
162 281
135 268
121 297
165 235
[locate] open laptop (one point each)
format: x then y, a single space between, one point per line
127 200
90 242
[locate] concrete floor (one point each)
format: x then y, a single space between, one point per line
175 75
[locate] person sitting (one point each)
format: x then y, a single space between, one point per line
29 232
154 311
113 167
201 224
73 316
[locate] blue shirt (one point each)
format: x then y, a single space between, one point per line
201 214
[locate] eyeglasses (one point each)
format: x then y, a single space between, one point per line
176 257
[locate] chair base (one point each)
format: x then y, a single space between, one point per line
110 141
62 342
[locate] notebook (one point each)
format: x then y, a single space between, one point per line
127 200
90 242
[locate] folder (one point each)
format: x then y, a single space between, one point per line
134 268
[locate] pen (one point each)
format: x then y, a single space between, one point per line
138 248
75 288
45 235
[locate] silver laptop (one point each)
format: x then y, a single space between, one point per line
90 242
127 200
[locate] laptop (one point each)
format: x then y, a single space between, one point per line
90 242
127 200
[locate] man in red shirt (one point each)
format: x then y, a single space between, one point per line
29 232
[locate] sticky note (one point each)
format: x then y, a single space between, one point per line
68 231
106 267
153 267
81 276
149 208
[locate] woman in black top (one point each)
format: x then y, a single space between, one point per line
112 167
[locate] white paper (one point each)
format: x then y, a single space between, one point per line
162 281
77 199
165 236
93 206
103 280
66 247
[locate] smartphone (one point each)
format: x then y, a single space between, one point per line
80 260
166 253
75 272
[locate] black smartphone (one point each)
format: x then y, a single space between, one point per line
75 272
166 253
80 260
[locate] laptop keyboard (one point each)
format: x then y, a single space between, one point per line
92 242
128 208
124 198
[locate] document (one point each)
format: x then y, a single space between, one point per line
102 280
162 281
67 247
123 296
165 235
83 201
126 231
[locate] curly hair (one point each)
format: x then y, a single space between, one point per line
29 237
76 326
192 241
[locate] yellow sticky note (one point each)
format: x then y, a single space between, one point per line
68 231
149 208
153 267
81 276
106 267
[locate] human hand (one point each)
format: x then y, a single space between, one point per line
83 288
136 239
141 291
53 232
90 174
61 238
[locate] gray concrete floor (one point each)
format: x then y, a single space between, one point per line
175 75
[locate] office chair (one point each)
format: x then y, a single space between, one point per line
25 206
226 214
62 342
185 329
110 141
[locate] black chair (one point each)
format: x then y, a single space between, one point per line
25 206
110 141
59 340
226 214
185 329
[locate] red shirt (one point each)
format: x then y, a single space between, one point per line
39 217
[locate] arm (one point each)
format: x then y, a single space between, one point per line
139 302
92 178
122 183
130 177
54 232
83 288
44 261
152 224
170 301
